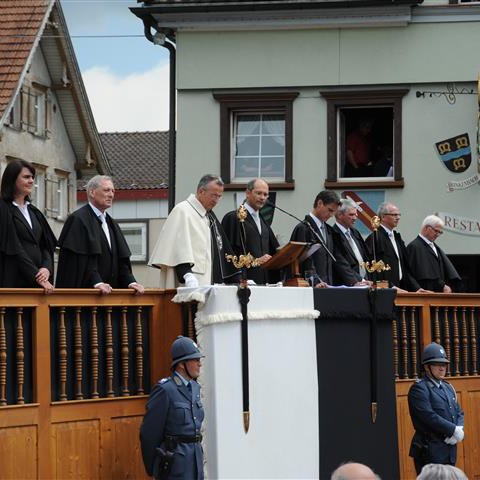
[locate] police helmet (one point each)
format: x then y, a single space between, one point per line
434 353
184 348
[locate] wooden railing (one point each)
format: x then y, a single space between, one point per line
453 321
75 369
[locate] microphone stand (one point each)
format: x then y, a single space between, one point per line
315 233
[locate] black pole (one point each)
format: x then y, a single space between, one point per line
168 43
171 126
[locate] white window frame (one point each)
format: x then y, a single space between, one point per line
261 135
40 188
141 225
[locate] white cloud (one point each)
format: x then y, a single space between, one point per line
137 102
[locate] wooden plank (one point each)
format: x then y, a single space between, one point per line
18 452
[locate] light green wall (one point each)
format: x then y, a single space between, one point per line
416 53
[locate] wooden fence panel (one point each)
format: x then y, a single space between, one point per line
453 321
80 366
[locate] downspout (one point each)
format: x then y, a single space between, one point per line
160 38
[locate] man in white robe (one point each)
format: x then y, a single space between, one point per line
191 247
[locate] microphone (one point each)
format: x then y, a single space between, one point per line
312 230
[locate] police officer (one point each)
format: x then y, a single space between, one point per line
170 431
436 414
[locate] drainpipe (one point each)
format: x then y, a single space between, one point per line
160 38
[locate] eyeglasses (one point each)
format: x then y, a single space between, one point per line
393 214
436 230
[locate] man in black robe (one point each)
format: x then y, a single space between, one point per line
429 264
314 229
387 244
93 250
253 235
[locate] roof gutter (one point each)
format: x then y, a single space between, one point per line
166 38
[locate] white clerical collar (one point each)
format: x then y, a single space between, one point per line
97 211
196 204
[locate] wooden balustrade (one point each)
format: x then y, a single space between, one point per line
75 369
452 321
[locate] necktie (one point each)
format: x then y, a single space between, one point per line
356 252
432 246
105 228
256 217
394 244
322 231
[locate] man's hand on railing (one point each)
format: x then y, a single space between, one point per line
139 289
104 288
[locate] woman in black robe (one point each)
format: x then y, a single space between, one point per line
33 264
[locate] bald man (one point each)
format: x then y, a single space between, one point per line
354 471
254 235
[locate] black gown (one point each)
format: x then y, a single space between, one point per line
245 238
86 258
36 246
431 272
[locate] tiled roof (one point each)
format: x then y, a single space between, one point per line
139 160
20 23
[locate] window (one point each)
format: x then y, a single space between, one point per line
60 195
38 193
14 118
136 235
364 138
256 139
34 112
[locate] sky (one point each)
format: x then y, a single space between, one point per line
125 75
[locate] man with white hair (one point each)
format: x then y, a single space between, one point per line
93 250
349 244
429 264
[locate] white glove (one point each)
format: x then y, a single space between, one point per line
450 440
458 433
190 280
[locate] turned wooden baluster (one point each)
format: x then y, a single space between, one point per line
94 352
3 359
404 339
413 342
395 346
78 355
62 355
20 356
109 352
464 341
446 329
473 336
436 326
456 343
125 351
139 352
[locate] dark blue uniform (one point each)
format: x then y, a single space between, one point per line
174 411
435 413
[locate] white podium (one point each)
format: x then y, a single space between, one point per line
283 439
